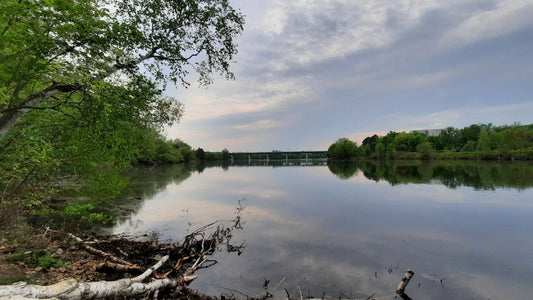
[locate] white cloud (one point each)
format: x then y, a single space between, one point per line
506 17
315 31
433 120
259 125
246 95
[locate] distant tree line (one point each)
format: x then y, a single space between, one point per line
157 150
477 141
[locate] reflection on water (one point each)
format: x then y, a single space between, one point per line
463 227
480 175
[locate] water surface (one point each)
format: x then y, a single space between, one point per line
350 230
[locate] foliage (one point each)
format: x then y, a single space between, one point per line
342 149
41 259
82 81
200 154
84 214
157 150
44 260
478 141
425 149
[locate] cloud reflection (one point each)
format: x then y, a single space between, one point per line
353 237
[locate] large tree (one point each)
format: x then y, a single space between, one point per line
52 52
342 149
81 79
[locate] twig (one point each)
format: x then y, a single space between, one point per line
279 283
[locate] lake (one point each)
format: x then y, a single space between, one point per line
348 230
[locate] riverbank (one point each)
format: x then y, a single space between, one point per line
109 266
456 155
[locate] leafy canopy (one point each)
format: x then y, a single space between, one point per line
82 81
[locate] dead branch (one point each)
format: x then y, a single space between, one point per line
99 252
192 254
111 267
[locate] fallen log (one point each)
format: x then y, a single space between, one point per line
72 289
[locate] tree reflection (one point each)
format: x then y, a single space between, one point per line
145 183
452 174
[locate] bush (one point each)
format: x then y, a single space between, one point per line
82 215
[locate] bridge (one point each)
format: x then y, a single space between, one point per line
279 155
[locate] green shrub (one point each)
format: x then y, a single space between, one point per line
45 260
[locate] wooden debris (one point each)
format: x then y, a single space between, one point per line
405 280
110 267
185 259
99 252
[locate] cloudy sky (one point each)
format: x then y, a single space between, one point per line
311 71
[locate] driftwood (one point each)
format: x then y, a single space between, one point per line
185 259
99 252
72 289
110 267
404 282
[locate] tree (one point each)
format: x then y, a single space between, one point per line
371 142
225 154
54 51
415 139
425 150
342 149
470 134
401 142
200 154
82 81
380 150
483 143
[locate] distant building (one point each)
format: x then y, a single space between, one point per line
428 132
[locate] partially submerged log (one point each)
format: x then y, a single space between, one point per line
404 282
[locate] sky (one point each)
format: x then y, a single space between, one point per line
311 71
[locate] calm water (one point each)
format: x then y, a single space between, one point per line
352 230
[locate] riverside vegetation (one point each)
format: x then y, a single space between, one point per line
82 95
82 99
477 141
